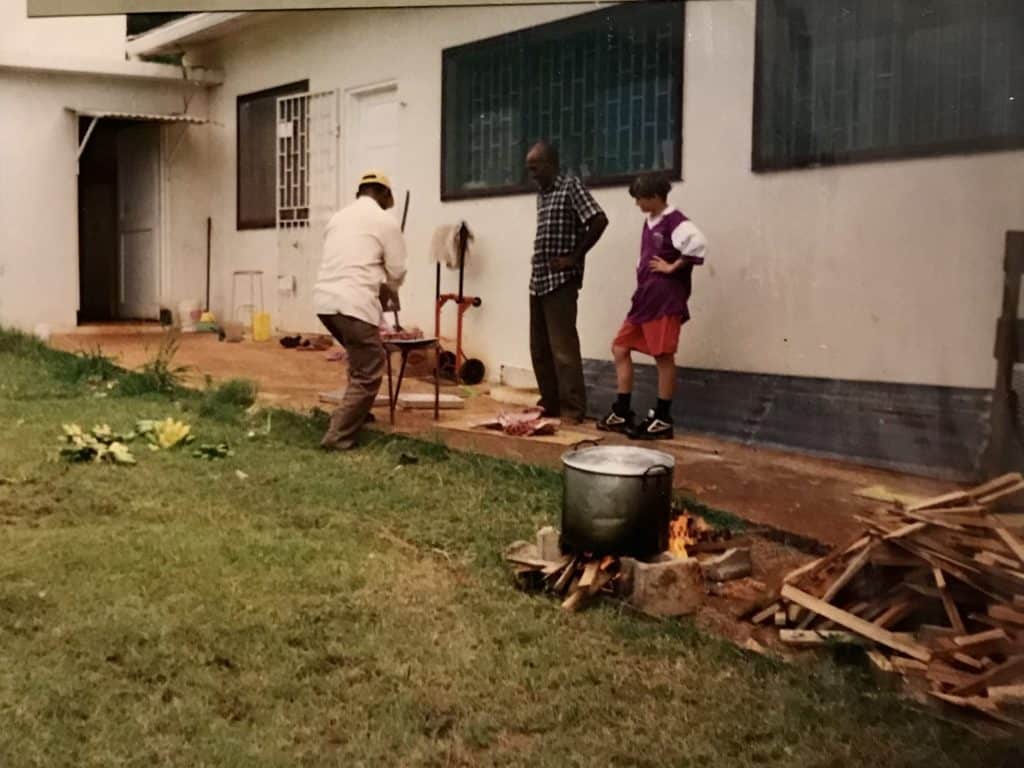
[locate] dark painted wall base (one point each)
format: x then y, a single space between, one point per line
933 431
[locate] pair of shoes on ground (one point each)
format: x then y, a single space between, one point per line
651 428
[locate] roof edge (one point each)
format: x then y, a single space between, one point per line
142 70
171 36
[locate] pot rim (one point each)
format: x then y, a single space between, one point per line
658 463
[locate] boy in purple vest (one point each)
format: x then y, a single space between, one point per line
670 247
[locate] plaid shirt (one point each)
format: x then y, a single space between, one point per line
562 214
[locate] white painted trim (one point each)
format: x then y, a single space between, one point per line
164 208
141 70
174 34
346 118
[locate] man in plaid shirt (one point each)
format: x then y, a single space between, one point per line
569 224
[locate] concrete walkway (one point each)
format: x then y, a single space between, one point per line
808 497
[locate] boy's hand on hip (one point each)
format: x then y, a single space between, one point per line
563 262
663 267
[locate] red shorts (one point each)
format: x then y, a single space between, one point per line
656 338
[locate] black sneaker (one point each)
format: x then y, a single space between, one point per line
615 423
652 428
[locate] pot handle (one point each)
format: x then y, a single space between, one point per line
581 443
648 473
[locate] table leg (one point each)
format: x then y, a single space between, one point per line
437 382
391 396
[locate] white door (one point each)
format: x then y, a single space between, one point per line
372 139
138 173
307 196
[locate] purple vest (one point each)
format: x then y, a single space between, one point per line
659 295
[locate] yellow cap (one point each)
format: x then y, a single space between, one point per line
375 177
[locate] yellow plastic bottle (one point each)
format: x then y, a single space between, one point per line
261 326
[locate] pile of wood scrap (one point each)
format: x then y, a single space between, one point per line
937 588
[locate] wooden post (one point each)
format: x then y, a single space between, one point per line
1005 449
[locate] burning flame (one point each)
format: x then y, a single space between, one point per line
681 535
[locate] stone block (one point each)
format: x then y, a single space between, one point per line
671 588
547 543
732 564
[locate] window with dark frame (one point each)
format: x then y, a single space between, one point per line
257 155
846 81
605 87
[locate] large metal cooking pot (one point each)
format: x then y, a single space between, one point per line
617 500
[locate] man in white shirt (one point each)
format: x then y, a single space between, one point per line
363 250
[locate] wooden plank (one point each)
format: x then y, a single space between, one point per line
993 560
973 509
943 673
936 520
895 613
1011 478
996 676
955 621
531 562
968 661
1015 545
762 616
556 568
566 577
945 500
828 559
991 498
815 638
972 643
1006 694
1005 613
590 571
977 704
908 666
836 587
602 580
781 619
905 530
858 625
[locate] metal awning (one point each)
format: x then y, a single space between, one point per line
142 117
139 116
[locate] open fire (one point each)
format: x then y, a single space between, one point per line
578 577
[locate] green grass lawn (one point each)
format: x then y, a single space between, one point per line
352 610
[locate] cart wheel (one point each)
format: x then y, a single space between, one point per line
472 372
446 361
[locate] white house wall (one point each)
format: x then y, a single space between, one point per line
884 271
94 38
39 193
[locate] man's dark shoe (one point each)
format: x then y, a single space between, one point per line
615 423
653 428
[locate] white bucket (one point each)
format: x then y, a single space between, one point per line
189 312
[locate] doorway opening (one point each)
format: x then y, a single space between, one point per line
118 221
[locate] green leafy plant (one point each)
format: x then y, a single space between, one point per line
227 401
97 445
159 375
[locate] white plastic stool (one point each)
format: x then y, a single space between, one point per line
255 276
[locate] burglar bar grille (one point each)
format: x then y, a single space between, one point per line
307 158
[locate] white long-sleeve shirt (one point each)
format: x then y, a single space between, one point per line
363 248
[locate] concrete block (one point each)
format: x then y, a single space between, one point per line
547 543
731 564
672 588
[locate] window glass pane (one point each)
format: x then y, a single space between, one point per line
257 156
605 87
848 80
